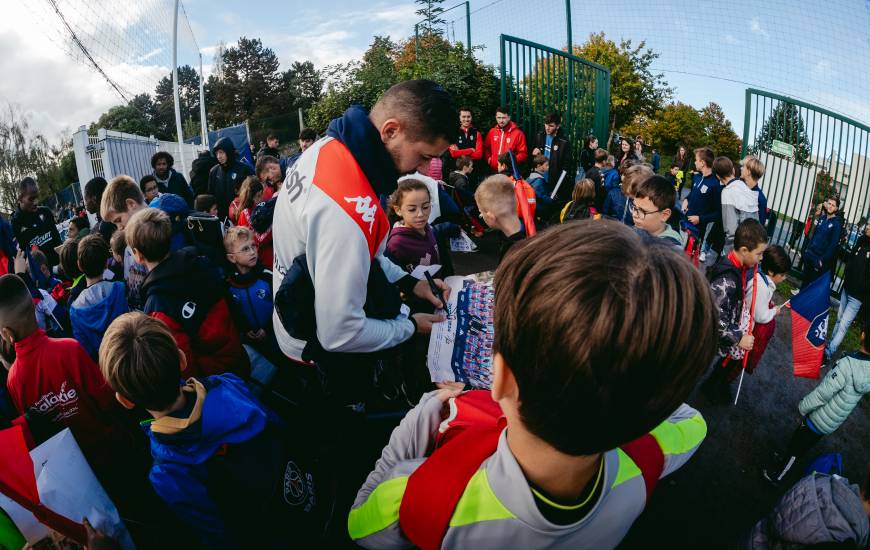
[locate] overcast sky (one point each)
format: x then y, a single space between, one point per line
819 53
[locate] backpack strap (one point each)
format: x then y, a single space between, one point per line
647 454
435 487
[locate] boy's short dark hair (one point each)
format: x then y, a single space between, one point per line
263 162
25 185
723 167
463 162
93 254
16 305
425 106
503 109
162 155
118 243
466 110
271 137
706 155
307 133
150 232
203 203
95 187
80 223
749 234
601 155
552 118
539 160
145 180
616 350
69 259
677 166
659 190
38 257
504 158
140 360
775 260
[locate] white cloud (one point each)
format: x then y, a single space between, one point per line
755 26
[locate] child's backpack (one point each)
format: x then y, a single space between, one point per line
827 463
463 442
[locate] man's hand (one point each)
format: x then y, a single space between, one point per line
747 342
425 321
446 390
685 204
694 220
422 290
453 147
20 262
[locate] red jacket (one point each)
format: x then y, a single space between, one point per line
56 378
499 141
467 137
186 292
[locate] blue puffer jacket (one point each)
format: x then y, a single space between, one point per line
94 310
251 299
823 245
829 405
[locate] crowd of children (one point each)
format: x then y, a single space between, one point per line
147 317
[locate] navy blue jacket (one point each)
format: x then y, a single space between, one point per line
705 201
823 244
614 201
251 299
762 205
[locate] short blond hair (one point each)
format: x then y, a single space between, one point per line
150 232
140 360
755 167
237 234
634 176
496 194
116 194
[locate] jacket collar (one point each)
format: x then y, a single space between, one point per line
359 135
172 425
26 345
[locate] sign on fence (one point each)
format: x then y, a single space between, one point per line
782 148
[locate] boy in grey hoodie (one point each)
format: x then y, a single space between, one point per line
557 476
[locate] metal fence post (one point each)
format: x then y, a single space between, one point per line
503 71
569 118
746 123
468 25
417 41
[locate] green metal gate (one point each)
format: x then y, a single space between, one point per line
537 80
809 153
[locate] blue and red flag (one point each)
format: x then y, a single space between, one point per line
809 326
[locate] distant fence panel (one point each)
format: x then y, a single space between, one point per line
537 80
809 153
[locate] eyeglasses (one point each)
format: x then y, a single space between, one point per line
246 249
640 212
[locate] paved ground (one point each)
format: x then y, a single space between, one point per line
719 494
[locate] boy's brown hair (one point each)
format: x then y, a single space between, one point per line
504 158
203 203
539 160
236 234
140 360
16 307
601 156
749 234
150 232
658 190
463 162
723 167
69 259
116 194
602 339
706 155
118 243
496 194
584 191
92 255
263 162
633 176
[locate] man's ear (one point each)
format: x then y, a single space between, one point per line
182 360
390 128
126 403
7 334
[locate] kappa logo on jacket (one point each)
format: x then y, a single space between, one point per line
365 207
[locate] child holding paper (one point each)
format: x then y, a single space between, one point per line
413 241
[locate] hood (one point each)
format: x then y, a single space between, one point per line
740 196
511 125
226 145
357 133
172 204
242 280
669 233
611 178
401 232
219 410
724 265
822 509
99 304
185 274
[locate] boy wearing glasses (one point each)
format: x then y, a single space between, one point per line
186 291
653 204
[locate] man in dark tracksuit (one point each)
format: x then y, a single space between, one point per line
33 225
225 178
822 249
552 144
168 180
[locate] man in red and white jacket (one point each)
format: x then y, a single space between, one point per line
469 142
504 136
329 210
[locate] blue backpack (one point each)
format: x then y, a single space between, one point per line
827 463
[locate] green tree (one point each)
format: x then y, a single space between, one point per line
125 118
430 11
670 126
304 84
719 132
785 124
22 153
163 115
634 88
